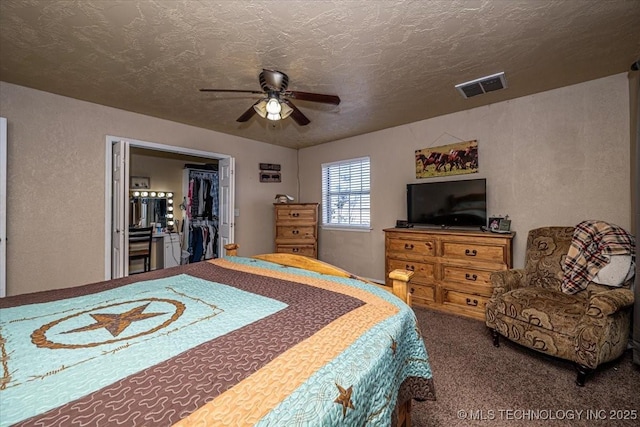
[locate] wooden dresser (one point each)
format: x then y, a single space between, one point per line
451 267
297 228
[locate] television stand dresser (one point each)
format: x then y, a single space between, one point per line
451 267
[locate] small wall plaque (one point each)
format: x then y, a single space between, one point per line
269 167
269 176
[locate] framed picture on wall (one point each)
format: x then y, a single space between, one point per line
445 160
140 182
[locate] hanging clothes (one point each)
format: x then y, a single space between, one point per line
203 238
201 204
203 200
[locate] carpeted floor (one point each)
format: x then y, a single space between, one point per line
480 385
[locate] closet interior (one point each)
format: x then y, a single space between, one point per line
177 195
201 209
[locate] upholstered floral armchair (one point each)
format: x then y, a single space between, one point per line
528 307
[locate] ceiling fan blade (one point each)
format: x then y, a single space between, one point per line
313 97
248 114
233 90
296 114
273 80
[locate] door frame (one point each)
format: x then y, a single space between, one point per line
110 140
3 207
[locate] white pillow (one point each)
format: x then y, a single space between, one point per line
618 271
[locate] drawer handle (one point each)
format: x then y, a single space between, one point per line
295 214
429 245
295 232
473 304
410 267
472 252
295 250
472 277
408 246
412 290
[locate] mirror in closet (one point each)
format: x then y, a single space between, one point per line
151 207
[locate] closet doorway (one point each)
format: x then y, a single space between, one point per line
121 154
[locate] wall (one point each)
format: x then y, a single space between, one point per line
56 181
554 158
557 157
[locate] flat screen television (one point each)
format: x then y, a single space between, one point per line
448 203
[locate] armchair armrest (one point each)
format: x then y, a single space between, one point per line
608 302
593 342
506 280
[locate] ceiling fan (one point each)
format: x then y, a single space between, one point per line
275 103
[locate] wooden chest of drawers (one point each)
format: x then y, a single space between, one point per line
297 228
451 267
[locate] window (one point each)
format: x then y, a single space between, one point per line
346 199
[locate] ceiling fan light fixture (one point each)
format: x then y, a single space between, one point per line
275 103
283 110
286 110
273 107
261 108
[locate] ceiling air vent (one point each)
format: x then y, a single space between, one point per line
482 85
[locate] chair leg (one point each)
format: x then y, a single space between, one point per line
583 371
496 338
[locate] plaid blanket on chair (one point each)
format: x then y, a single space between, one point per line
592 244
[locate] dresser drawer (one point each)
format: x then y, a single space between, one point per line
296 232
473 252
411 249
466 276
298 214
422 294
464 301
423 272
306 250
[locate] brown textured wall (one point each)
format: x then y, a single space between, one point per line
56 184
554 158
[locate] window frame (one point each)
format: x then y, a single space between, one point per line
363 177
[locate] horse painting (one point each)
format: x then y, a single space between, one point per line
452 159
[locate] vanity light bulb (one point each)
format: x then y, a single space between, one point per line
161 194
170 201
169 215
170 222
153 194
144 194
169 208
136 194
169 194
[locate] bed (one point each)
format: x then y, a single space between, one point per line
263 341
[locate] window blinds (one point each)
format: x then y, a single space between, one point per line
346 192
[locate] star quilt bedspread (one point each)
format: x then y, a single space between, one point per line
234 341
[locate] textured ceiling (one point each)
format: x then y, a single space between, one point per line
391 62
